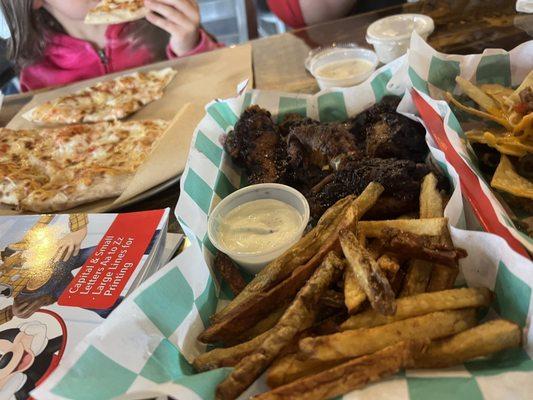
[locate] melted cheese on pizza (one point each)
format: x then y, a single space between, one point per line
49 169
106 6
116 11
109 100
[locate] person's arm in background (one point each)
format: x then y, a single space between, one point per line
181 19
316 11
300 13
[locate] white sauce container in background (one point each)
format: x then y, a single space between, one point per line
254 261
390 36
341 66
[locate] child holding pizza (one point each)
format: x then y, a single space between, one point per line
52 45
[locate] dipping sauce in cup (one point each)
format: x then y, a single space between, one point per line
341 67
259 226
390 36
258 223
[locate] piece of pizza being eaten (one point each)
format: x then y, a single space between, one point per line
55 169
116 11
109 100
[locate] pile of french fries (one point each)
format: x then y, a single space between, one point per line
351 303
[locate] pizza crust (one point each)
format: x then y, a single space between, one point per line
115 17
102 187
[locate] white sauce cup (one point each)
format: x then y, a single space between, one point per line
255 262
390 36
334 54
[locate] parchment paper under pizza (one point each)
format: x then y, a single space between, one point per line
116 11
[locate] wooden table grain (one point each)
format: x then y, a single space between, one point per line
461 27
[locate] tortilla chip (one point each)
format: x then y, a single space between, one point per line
514 98
480 97
478 113
498 93
506 179
505 143
525 125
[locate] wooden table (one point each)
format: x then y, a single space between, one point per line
461 26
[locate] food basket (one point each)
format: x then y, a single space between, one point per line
146 346
431 73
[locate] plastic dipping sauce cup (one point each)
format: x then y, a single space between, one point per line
390 36
254 261
342 67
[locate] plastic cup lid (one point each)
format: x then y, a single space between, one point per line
399 27
324 50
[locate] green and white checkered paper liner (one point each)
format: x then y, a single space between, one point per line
432 73
145 347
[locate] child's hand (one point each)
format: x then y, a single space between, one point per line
69 245
180 18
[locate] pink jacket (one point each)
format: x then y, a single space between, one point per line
68 59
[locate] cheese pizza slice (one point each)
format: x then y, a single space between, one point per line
109 100
116 11
55 169
17 182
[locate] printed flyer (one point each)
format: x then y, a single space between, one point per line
60 277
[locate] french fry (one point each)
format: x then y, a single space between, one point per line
262 326
417 277
366 200
328 325
248 313
332 299
396 282
354 343
354 374
431 277
479 341
428 248
354 295
431 206
291 367
425 227
421 304
389 264
442 277
368 274
373 247
297 255
299 316
229 273
227 357
306 248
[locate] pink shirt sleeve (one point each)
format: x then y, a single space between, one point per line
206 43
289 11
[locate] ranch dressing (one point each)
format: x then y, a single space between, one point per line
259 226
344 69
